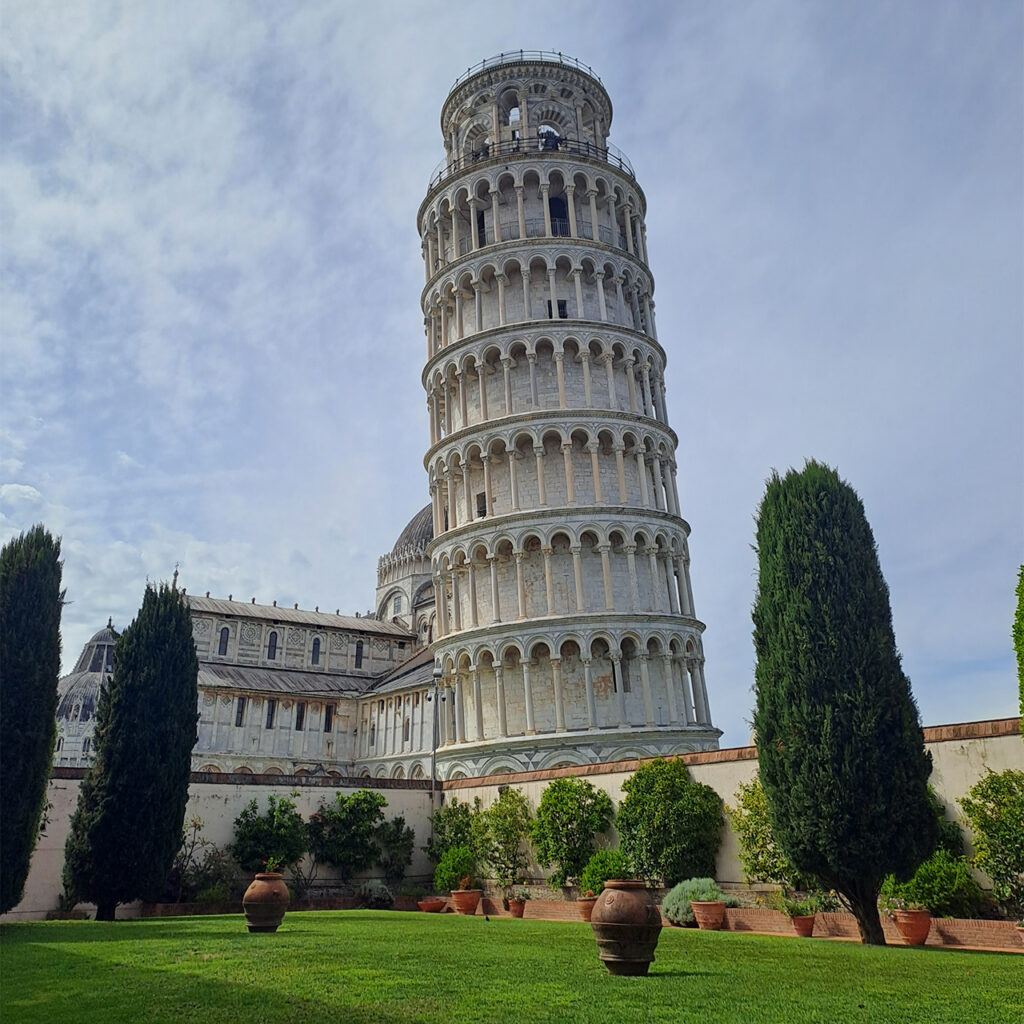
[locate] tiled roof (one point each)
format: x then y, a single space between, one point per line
241 610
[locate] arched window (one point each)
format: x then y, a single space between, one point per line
316 651
397 607
222 648
359 654
60 742
272 646
405 731
85 745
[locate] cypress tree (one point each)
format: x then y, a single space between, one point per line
30 606
126 828
840 747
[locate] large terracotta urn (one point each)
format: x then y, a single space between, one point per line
465 900
913 925
626 924
265 902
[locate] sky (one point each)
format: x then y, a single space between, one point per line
211 334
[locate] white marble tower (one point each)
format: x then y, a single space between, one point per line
566 628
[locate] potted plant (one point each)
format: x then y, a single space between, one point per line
517 900
801 912
912 919
456 873
266 899
695 900
604 864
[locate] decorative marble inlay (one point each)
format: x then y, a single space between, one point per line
250 633
296 637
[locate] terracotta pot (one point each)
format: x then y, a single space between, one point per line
585 905
709 914
431 905
913 925
517 907
265 902
465 900
627 925
804 925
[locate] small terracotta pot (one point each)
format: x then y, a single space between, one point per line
585 905
804 925
465 900
709 914
913 925
627 925
517 907
265 902
431 905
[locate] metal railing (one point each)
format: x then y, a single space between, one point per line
542 144
518 56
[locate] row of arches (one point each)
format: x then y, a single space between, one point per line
537 575
532 199
545 375
552 467
537 286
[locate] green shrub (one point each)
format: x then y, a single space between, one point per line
457 824
279 833
395 842
457 869
943 884
571 813
676 904
219 892
604 864
761 858
670 825
342 833
508 822
375 895
994 807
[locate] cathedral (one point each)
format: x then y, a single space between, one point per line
538 611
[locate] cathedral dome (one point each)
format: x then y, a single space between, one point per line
418 533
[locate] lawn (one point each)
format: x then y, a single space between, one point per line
368 967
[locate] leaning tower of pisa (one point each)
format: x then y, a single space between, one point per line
566 627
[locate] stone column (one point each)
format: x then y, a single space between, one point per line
527 306
634 592
602 302
689 587
652 563
609 370
478 707
577 276
592 196
531 358
616 660
472 595
456 601
560 373
478 305
670 689
588 682
672 585
513 474
494 215
495 606
639 451
556 683
621 300
588 398
698 702
467 493
521 211
645 682
488 498
520 582
481 377
450 480
659 484
570 481
499 687
506 364
460 377
606 572
705 706
577 568
627 220
570 202
628 364
542 498
502 281
549 585
544 190
552 293
620 470
595 472
441 589
531 728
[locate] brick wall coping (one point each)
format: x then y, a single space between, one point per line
296 781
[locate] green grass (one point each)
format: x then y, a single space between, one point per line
368 967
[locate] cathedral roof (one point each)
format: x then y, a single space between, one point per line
419 531
276 613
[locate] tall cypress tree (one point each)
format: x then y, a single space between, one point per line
126 828
840 747
30 605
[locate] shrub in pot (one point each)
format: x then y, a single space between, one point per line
677 905
456 873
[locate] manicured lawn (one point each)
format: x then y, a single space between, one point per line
365 966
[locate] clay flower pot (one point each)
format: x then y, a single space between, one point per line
627 925
431 905
265 902
913 925
585 905
465 900
709 914
517 907
803 925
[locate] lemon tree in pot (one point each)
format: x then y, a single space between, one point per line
457 873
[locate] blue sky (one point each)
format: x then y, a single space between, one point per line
211 334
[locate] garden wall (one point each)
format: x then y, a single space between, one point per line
960 755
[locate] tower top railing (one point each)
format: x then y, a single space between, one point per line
518 57
545 144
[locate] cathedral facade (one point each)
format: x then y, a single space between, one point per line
538 612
